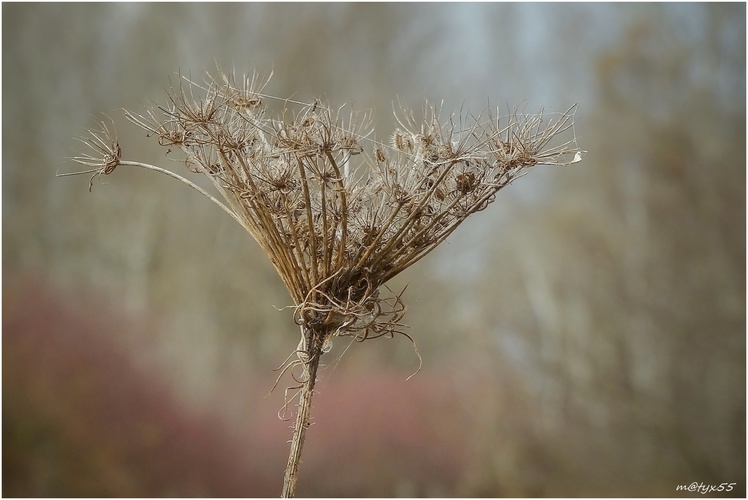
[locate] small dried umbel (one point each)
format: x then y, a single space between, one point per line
338 213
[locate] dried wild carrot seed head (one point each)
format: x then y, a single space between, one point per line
338 213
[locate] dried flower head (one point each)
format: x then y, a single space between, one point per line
337 213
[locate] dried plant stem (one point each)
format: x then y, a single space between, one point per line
311 356
337 213
186 181
147 166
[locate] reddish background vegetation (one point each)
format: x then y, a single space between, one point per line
81 417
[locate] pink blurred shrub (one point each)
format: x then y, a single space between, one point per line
80 420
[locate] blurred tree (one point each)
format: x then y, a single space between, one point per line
635 345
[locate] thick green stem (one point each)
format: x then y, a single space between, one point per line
313 350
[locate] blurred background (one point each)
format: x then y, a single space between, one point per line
584 336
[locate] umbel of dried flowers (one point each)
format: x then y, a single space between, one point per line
337 213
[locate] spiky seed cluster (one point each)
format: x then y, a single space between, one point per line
337 213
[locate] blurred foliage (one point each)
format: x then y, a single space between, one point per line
81 419
583 337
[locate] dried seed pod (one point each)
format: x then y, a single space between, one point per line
379 155
465 182
244 102
402 141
